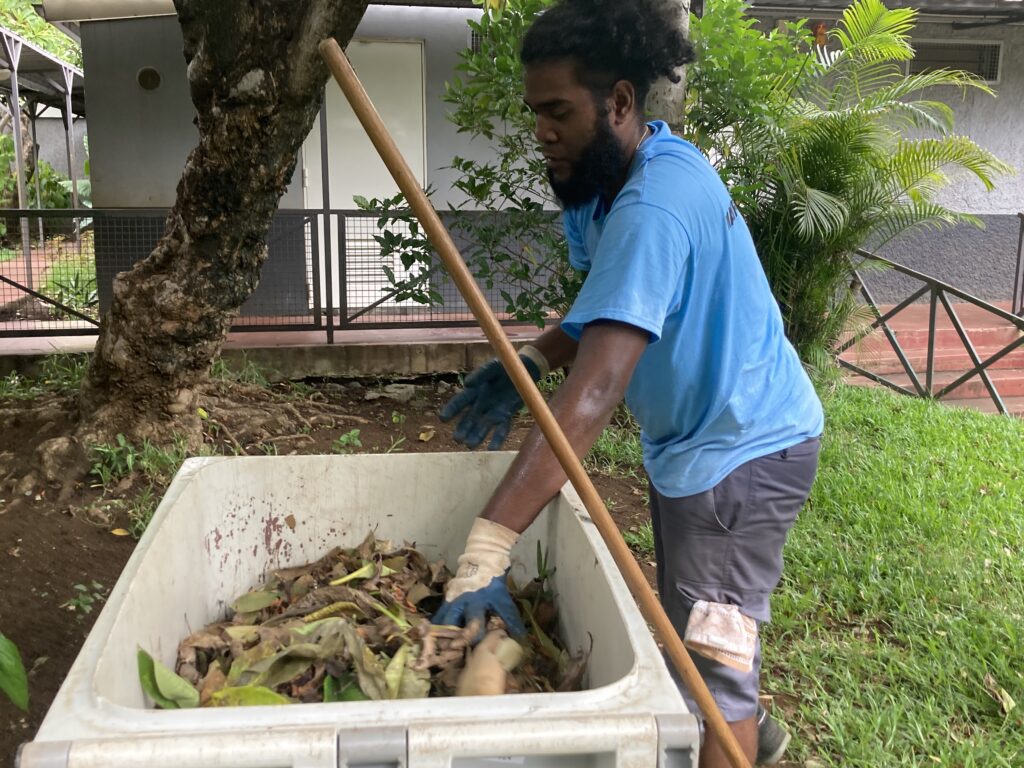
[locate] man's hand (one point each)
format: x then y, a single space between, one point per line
478 587
490 401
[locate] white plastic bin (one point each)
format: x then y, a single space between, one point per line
224 522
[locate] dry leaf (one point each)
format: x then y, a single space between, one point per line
427 435
997 692
121 532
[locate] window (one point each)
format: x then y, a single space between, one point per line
475 41
979 58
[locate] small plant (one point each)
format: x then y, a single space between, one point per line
347 442
86 597
113 461
247 372
140 512
270 449
640 539
397 418
13 680
395 446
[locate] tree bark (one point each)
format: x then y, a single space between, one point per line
667 100
256 80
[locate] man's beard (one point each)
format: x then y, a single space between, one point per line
599 169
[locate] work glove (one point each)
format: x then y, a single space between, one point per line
490 400
478 587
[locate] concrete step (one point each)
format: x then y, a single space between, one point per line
1009 384
885 361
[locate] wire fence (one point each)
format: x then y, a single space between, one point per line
325 271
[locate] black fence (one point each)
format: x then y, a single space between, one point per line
325 272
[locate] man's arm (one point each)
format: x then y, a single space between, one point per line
604 362
558 347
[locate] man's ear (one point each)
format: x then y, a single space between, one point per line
622 101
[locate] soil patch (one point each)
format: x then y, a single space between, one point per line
59 558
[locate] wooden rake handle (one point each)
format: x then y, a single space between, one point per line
441 240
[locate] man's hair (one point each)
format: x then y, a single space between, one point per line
611 40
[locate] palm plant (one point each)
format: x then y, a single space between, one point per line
846 150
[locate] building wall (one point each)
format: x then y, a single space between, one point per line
52 149
140 139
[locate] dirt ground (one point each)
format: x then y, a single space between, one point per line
52 553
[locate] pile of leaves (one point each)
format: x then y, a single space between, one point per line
352 626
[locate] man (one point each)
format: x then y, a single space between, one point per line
676 315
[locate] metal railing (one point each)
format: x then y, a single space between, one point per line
938 292
324 272
1017 307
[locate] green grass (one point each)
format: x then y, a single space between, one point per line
60 373
72 282
8 254
902 602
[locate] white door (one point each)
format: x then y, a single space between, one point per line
392 74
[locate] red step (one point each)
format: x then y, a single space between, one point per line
884 360
1008 383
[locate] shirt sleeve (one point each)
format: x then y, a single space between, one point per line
637 273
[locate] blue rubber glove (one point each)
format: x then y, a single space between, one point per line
478 587
475 606
488 400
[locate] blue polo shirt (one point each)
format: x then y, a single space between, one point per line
719 384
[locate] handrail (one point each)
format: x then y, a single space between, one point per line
939 292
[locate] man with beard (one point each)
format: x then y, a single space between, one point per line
675 315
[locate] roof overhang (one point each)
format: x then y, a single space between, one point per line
42 77
99 10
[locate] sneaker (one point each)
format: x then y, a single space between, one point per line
772 738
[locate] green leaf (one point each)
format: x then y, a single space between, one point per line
247 696
343 688
163 686
254 601
13 680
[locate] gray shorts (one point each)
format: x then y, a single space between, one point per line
725 546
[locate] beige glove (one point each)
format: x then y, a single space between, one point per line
488 666
721 633
486 556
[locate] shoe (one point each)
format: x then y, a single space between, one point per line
772 738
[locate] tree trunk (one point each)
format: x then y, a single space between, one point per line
667 100
256 80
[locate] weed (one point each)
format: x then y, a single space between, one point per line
347 442
86 597
640 539
245 372
395 446
140 512
397 418
114 461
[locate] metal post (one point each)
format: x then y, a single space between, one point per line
69 134
32 116
1018 279
325 179
13 49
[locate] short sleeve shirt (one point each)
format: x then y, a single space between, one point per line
719 384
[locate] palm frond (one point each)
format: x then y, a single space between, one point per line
871 32
915 161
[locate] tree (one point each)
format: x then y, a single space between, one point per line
256 81
826 149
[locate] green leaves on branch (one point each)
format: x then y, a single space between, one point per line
816 147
